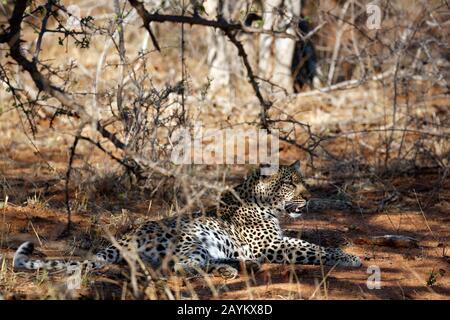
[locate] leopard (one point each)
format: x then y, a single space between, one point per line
242 232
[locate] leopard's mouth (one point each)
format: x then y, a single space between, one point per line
294 209
295 215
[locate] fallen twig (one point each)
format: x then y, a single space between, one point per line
395 241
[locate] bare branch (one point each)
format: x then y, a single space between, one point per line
44 84
143 13
228 28
48 12
265 105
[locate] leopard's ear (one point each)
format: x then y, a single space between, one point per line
296 165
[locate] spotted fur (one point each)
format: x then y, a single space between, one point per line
243 228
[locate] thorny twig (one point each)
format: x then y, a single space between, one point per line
230 30
67 181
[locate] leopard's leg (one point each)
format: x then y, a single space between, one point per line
149 241
237 259
110 254
131 242
192 266
291 250
223 270
249 264
197 259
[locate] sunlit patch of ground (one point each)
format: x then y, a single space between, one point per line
406 273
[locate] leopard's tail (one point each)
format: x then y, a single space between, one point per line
22 260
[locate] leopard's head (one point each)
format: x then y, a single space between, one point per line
282 189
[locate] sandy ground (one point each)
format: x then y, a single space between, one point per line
421 272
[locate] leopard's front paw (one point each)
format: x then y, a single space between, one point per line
225 271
